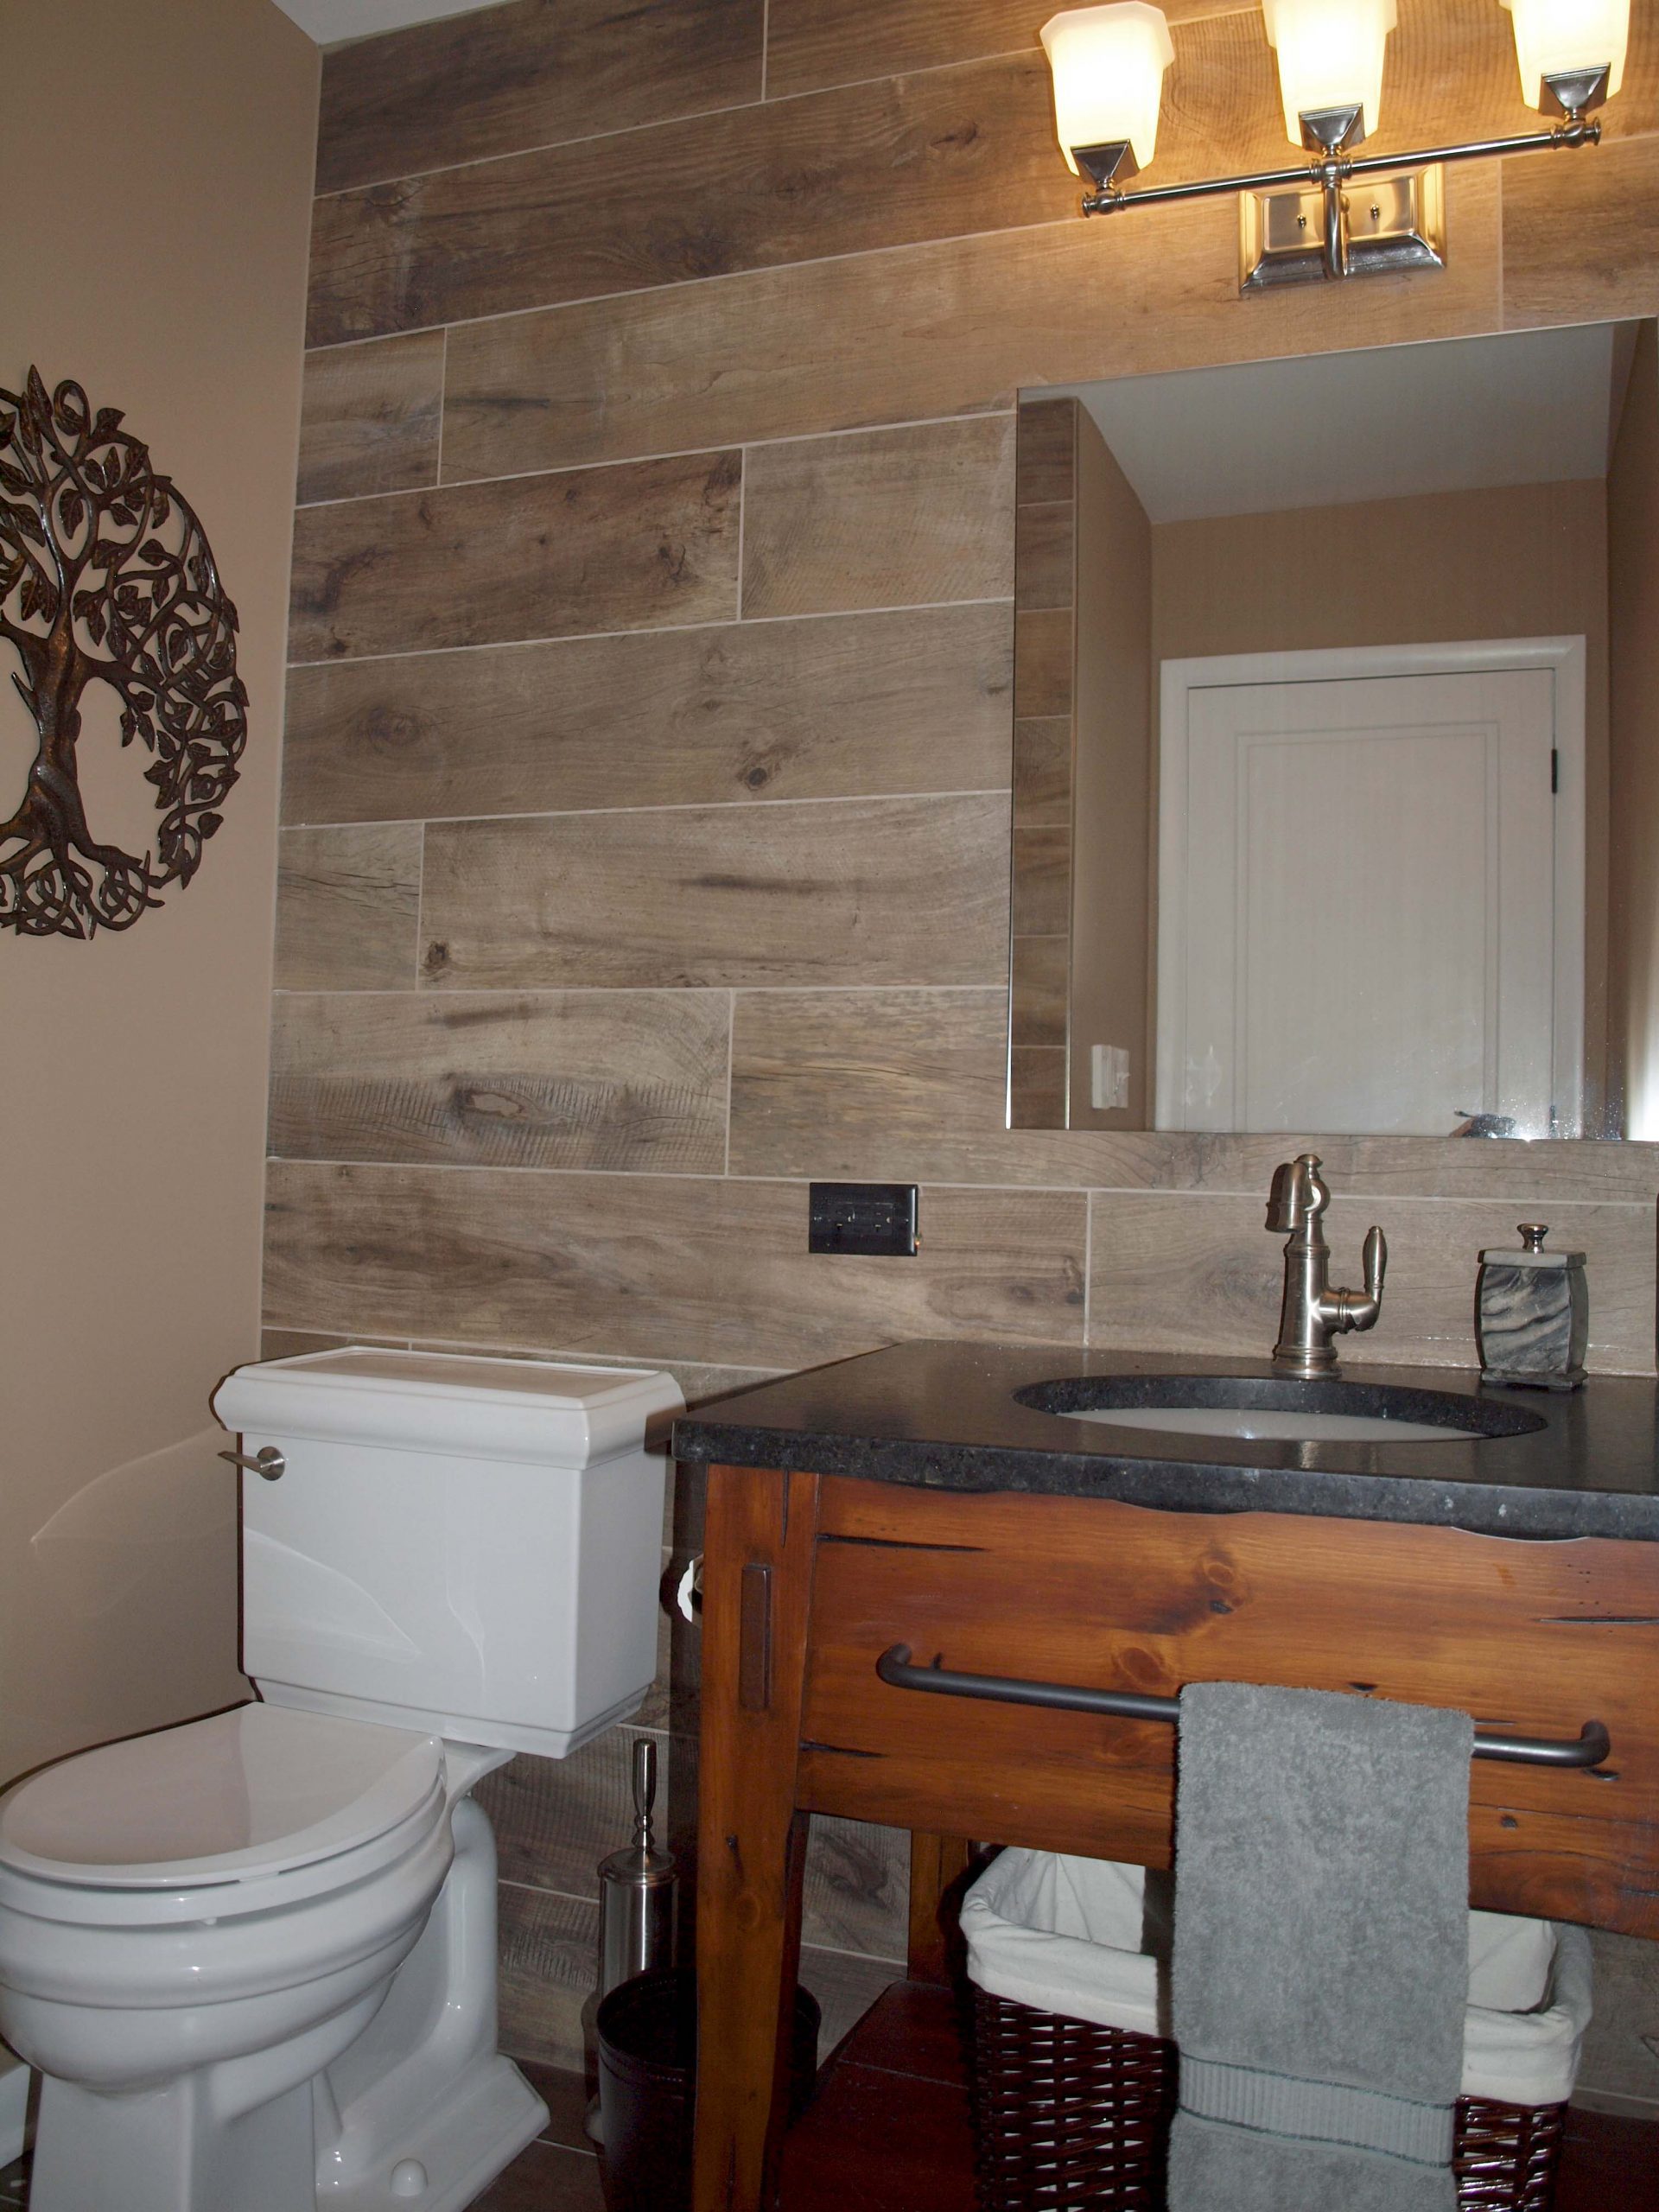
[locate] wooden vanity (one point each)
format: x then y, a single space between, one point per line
883 1524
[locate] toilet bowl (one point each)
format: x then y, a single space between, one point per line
253 1957
254 1961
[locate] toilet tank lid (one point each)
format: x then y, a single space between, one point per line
539 1410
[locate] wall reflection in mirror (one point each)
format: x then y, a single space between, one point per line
1335 798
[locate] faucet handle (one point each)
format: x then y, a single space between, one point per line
1377 1262
1297 1194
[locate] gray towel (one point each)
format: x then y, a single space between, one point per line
1321 1964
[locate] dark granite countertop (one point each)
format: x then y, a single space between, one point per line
945 1415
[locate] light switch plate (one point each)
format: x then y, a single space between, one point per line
1108 1076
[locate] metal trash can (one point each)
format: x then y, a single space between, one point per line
1073 2099
647 2034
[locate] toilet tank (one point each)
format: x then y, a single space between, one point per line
467 1546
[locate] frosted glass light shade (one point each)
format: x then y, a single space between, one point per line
1556 34
1109 67
1330 55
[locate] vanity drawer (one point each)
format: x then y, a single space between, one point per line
1532 1638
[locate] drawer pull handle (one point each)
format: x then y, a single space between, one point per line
1589 1749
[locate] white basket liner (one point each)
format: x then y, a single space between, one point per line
1091 1938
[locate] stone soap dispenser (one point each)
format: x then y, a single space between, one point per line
1532 1314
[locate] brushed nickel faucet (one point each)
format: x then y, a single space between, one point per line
1312 1313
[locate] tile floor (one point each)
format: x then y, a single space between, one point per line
888 2132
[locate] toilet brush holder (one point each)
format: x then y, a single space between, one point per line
639 1895
639 1889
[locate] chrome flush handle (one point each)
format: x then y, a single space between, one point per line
267 1461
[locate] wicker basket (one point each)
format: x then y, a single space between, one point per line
1072 2118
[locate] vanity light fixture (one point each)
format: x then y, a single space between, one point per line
1306 221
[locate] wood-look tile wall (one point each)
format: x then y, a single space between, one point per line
649 747
1039 887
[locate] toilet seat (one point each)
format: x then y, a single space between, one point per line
265 1797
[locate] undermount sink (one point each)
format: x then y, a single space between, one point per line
1273 1408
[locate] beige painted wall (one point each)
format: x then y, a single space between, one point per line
1112 766
1633 860
1521 561
155 171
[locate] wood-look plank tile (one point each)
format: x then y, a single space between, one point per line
909 1085
1505 1174
1581 236
527 74
539 557
605 1079
292 1344
940 155
669 1267
555 1819
1045 554
812 43
841 892
1450 70
933 330
1042 769
1041 904
831 708
1451 76
698 1381
850 1085
856 1894
846 1986
1042 663
371 416
1037 994
1036 1087
348 907
883 519
1620 2059
548 1970
1045 451
1197 1274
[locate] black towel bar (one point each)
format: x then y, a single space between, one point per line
1591 1747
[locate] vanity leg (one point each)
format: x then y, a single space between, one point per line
757 1557
936 1862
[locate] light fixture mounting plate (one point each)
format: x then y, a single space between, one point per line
1573 92
1334 129
1111 166
1395 223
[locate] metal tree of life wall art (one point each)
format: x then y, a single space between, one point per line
107 577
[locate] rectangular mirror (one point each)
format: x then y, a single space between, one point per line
1336 787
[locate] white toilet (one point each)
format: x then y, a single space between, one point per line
253 1957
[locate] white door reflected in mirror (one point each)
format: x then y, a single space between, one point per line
1368 919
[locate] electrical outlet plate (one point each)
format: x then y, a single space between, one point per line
875 1218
